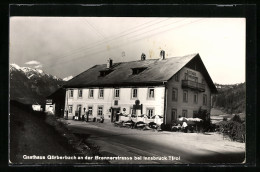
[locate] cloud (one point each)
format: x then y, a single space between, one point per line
33 62
38 66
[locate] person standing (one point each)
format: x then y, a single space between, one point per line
87 116
184 127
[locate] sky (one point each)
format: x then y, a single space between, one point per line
67 46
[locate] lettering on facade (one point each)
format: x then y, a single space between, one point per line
189 72
190 75
49 101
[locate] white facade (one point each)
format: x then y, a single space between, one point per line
152 99
102 101
181 87
36 107
50 108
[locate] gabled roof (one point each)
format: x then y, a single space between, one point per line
59 93
157 72
35 103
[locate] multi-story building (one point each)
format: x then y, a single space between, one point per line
169 87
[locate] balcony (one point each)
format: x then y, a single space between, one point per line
193 85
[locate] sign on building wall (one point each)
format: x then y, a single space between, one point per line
191 75
49 101
189 72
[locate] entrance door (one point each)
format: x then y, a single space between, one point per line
174 115
115 114
79 110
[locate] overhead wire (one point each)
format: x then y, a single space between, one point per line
93 28
98 42
84 50
77 58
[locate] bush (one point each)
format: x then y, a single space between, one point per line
205 116
233 129
237 118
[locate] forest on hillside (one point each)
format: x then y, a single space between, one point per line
230 98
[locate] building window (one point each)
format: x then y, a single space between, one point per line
105 72
90 110
150 93
185 96
195 100
116 102
100 110
174 94
136 71
80 93
70 108
117 93
204 99
134 92
174 115
177 77
184 113
101 93
91 93
70 93
150 112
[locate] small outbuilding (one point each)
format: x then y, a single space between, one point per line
55 102
36 107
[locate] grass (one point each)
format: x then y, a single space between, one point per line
34 133
78 141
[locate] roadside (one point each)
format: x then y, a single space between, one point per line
191 147
30 135
32 141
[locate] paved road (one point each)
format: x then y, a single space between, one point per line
189 147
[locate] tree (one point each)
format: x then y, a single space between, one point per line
205 116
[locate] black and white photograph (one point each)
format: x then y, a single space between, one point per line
127 90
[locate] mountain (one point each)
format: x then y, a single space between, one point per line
223 87
29 85
67 78
230 98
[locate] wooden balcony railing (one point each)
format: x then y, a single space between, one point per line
193 85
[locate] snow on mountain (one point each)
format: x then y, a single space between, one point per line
54 77
14 66
29 85
39 70
67 78
31 72
29 77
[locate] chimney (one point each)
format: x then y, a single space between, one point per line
109 63
162 54
143 56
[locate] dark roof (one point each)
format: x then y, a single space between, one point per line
157 72
57 94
